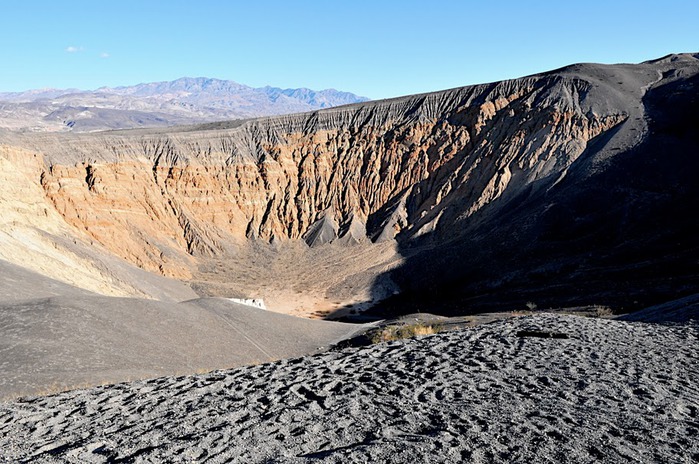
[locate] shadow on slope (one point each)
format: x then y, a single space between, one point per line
677 311
619 230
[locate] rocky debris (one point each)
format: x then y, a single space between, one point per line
612 391
322 231
541 334
353 231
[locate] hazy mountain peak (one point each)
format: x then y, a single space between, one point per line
187 100
189 85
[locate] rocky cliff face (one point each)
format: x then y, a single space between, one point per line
201 192
418 169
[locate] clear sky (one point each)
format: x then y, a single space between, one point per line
373 48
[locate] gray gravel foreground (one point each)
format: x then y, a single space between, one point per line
612 391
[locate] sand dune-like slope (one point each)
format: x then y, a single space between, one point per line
55 343
611 391
679 310
18 284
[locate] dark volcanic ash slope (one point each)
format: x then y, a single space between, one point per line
616 227
570 187
610 392
54 337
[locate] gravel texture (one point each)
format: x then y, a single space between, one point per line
611 391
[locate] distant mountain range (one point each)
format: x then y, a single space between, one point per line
182 101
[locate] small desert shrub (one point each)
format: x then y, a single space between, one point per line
399 332
521 313
603 311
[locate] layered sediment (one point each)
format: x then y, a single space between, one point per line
401 169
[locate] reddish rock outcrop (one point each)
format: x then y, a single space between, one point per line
407 167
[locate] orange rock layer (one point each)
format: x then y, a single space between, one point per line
366 171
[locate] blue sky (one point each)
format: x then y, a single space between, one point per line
372 48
